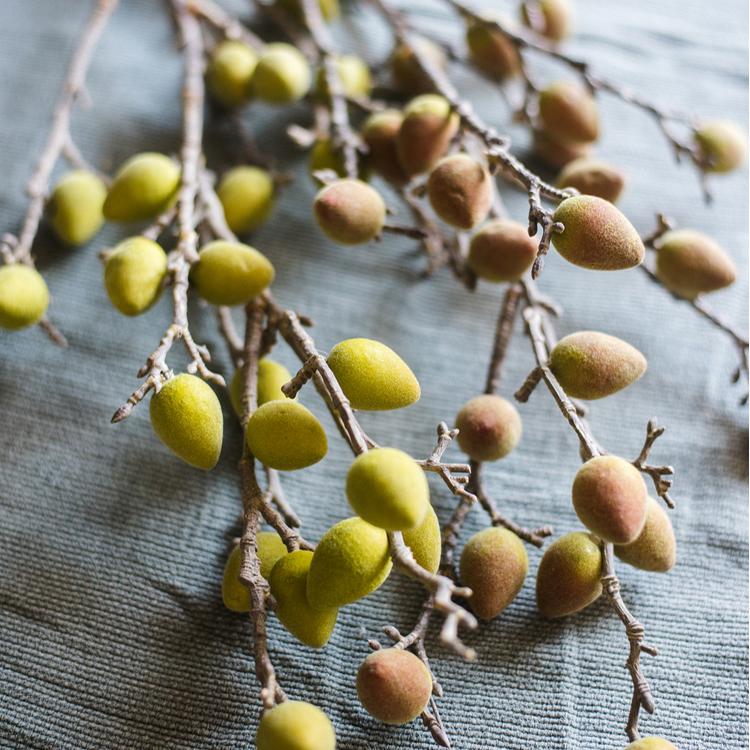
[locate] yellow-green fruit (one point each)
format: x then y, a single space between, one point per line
554 18
349 212
597 235
351 561
425 541
230 273
494 564
655 549
246 194
609 496
569 575
387 488
23 296
593 365
491 51
651 743
555 154
143 187
723 145
394 685
295 725
230 71
489 427
691 263
408 76
282 75
380 132
426 131
313 627
186 417
501 251
592 177
324 156
354 77
134 274
568 113
329 8
235 594
285 435
271 376
460 191
75 207
372 376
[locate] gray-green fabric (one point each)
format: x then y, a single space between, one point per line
112 631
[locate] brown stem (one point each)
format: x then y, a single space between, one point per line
228 25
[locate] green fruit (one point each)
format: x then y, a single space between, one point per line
489 427
282 75
134 274
230 72
23 296
246 194
691 263
723 146
609 496
593 365
597 235
394 685
655 549
569 575
494 566
408 76
592 177
295 725
351 561
492 52
556 154
324 156
354 77
501 251
388 489
349 212
427 129
230 273
460 191
379 133
555 18
270 548
285 435
568 113
313 627
651 743
75 207
271 376
186 417
329 8
143 187
372 376
425 541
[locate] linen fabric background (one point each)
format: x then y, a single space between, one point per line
112 631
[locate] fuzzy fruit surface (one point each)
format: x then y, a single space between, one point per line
285 435
387 488
592 365
723 145
379 132
408 75
230 72
394 685
75 207
230 273
23 296
609 496
569 575
597 235
655 549
186 417
492 52
555 18
555 154
425 541
494 565
134 274
460 191
592 177
144 186
271 376
568 113
501 251
288 580
246 195
349 211
295 725
351 560
372 376
651 743
282 75
489 427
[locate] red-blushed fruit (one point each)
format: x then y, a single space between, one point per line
460 191
349 211
501 251
555 154
655 549
393 685
568 113
379 133
492 52
408 76
609 496
592 177
489 427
